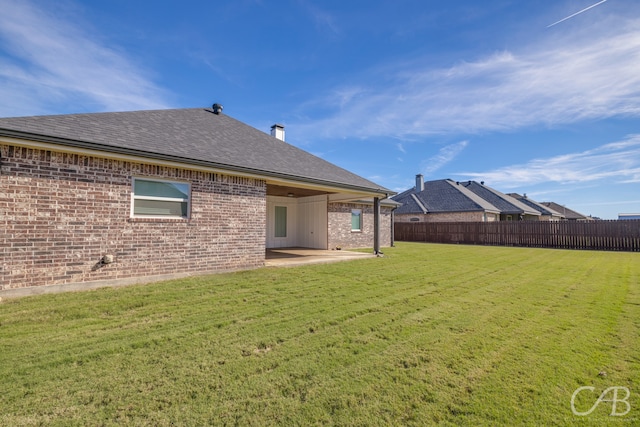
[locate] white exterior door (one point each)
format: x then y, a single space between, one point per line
281 222
312 222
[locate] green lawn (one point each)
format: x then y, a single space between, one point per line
428 334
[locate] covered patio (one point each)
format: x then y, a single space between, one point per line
290 257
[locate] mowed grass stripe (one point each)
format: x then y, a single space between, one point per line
458 335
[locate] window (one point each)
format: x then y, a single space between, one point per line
356 219
281 221
158 198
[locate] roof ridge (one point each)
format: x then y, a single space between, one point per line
419 202
478 200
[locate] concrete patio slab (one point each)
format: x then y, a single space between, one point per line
285 257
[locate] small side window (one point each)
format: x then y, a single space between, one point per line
160 199
356 219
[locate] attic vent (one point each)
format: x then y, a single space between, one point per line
217 108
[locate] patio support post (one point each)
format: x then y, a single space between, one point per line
376 225
393 226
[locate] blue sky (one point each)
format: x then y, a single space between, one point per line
488 90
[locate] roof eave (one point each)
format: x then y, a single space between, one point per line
71 143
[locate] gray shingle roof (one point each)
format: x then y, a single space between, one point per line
506 204
409 204
544 210
194 136
442 196
565 211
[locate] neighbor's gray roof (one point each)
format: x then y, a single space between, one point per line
544 210
441 196
506 204
566 212
194 136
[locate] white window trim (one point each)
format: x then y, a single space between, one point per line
356 230
163 199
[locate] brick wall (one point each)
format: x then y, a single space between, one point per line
340 234
61 213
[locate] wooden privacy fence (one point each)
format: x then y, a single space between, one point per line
594 235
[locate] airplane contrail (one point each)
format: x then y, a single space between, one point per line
577 13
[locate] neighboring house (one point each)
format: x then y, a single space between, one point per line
569 215
510 208
624 216
442 201
546 213
133 196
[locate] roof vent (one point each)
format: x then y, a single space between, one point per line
277 131
217 108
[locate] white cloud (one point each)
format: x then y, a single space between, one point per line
55 60
323 20
444 156
617 162
592 74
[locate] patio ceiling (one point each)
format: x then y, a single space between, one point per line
285 191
